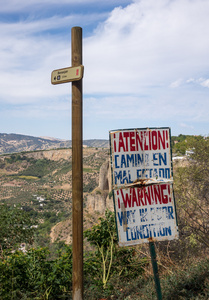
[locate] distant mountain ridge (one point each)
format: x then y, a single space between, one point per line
13 143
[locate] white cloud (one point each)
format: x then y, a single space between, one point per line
148 43
183 125
38 5
190 80
39 111
158 107
31 25
176 83
148 60
199 82
205 83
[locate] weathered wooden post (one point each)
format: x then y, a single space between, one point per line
77 168
74 74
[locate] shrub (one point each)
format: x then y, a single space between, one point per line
33 276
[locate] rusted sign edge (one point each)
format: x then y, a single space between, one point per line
142 183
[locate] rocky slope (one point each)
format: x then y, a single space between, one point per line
95 205
99 200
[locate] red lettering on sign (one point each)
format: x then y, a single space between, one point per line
126 199
157 194
141 140
132 141
121 143
149 195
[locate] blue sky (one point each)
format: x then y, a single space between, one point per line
145 65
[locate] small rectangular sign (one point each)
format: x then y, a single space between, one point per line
67 75
142 180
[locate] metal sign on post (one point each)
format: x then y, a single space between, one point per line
74 74
142 180
142 185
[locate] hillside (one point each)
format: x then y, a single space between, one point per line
41 183
13 143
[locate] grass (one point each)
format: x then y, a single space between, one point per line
186 284
28 177
191 283
89 170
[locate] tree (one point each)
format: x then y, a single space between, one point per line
192 190
16 227
183 143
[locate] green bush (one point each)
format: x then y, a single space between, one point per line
33 276
109 261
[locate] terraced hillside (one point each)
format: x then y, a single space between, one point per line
41 182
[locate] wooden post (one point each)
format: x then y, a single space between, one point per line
77 168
